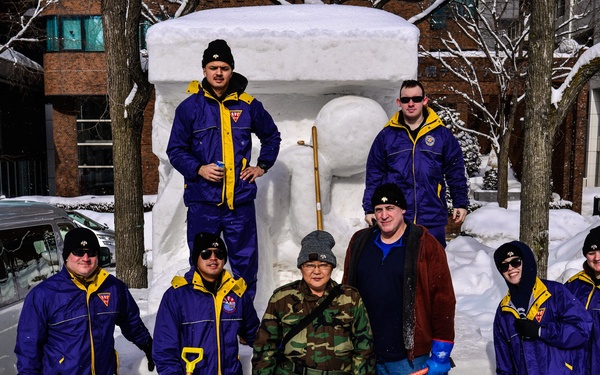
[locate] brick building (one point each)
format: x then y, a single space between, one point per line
75 88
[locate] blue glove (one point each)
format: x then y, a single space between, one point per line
439 362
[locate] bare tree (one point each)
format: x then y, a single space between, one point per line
542 120
129 92
502 54
500 31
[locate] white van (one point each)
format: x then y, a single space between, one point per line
31 242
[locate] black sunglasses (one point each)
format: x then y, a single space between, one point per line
80 252
206 253
515 263
415 99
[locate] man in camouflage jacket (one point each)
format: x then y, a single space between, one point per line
337 342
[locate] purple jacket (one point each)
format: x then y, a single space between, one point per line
419 167
565 331
61 320
190 316
206 130
588 293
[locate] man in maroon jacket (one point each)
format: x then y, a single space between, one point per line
403 277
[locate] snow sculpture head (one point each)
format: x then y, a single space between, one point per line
348 123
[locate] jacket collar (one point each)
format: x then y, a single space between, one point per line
237 85
539 295
228 283
431 121
91 283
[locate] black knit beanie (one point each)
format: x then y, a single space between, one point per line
203 241
388 194
508 250
79 238
520 294
217 50
592 241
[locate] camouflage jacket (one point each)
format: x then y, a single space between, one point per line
338 340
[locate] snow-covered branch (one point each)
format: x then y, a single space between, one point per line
585 67
427 12
26 23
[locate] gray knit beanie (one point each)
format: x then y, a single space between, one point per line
316 246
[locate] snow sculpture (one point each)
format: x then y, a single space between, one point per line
297 58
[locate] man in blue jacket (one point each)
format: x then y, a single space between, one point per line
418 153
585 285
210 145
540 328
207 308
68 320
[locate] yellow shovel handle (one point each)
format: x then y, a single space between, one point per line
191 365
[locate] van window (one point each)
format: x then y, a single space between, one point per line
28 256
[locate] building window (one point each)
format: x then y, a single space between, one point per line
464 8
144 26
74 33
95 149
94 38
52 34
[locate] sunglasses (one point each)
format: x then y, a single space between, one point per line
206 253
415 99
81 252
515 263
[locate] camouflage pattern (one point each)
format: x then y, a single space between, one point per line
338 340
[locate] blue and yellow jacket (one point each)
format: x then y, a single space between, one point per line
66 328
206 130
565 331
418 166
588 293
191 316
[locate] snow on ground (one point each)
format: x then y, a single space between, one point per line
477 284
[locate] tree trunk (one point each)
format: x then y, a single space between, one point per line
120 26
503 155
502 197
538 134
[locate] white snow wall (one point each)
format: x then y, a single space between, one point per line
338 67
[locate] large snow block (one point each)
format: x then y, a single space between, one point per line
320 47
336 67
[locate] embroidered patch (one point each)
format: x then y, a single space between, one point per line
540 314
235 114
228 304
105 297
429 140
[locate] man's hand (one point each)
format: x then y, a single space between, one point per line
147 349
251 173
459 215
370 219
527 328
211 172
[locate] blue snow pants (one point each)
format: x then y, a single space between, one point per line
238 227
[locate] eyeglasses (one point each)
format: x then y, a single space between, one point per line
515 263
415 99
219 253
81 252
311 266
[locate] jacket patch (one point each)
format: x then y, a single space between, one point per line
235 114
429 140
105 297
540 314
229 305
